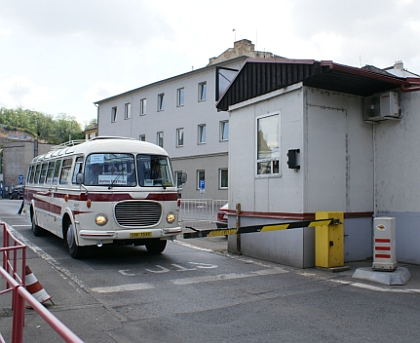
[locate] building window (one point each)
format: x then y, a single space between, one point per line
202 134
180 97
224 130
159 139
201 178
180 137
161 103
268 145
142 107
114 114
202 91
127 111
223 178
142 137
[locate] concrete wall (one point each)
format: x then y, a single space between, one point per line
17 156
397 166
339 154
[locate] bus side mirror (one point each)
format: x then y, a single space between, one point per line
80 178
183 177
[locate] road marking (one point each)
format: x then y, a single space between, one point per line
162 270
377 288
192 246
45 256
204 265
231 276
123 288
23 225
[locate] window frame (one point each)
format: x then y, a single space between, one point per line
143 106
202 91
222 125
271 164
202 131
127 110
114 113
180 97
161 102
159 138
221 170
199 178
179 140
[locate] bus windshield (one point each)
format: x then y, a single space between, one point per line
113 170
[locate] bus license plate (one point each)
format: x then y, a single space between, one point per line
140 234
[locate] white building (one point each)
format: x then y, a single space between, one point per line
308 136
179 114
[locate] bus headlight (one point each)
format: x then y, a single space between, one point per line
101 219
170 218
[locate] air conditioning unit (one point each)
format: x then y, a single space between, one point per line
382 106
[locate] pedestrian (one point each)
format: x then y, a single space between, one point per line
22 205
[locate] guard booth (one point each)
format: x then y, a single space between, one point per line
300 143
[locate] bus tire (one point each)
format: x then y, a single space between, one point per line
74 250
36 230
156 246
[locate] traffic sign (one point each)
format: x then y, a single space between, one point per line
21 178
202 184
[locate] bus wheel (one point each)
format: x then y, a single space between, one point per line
36 230
74 250
156 246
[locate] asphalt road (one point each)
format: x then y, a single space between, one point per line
191 294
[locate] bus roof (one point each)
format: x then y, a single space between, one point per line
105 144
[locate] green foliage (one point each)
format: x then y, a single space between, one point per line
45 126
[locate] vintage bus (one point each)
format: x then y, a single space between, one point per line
108 190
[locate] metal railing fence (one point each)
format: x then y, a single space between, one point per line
200 209
13 254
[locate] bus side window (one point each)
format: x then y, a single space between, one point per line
56 172
65 171
78 168
50 172
44 168
31 174
37 170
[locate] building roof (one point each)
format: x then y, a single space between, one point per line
241 50
262 76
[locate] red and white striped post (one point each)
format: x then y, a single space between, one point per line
384 252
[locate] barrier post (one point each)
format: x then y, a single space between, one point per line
329 241
238 225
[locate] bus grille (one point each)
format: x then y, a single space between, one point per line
138 213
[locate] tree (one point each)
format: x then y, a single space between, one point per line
43 126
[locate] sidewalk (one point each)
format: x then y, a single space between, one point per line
78 309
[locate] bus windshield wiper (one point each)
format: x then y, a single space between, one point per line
116 179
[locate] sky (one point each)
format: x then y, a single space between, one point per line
60 56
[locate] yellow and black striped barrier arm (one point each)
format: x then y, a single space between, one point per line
259 228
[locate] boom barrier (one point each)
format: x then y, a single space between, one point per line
259 228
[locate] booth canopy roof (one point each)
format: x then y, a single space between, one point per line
261 76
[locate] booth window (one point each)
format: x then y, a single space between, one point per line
268 145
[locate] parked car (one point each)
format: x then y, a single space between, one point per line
16 192
222 218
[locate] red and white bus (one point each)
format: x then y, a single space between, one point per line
106 190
